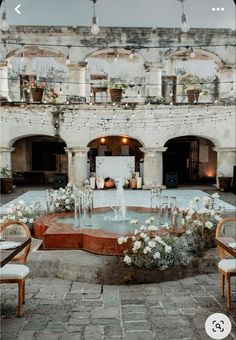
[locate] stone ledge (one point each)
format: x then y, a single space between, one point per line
82 266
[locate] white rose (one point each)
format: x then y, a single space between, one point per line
31 220
142 235
151 244
57 204
127 259
148 221
133 221
168 249
24 220
67 201
208 224
152 228
122 240
157 255
19 213
146 250
152 218
137 245
215 195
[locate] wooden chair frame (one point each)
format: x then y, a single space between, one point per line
225 275
18 259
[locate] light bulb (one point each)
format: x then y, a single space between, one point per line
4 23
68 60
192 54
185 27
95 28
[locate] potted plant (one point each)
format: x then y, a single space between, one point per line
6 180
191 85
116 90
36 89
224 182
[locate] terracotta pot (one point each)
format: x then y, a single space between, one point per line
193 96
116 95
133 183
109 183
37 94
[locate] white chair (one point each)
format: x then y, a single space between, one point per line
17 272
226 266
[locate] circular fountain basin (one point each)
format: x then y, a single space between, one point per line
59 232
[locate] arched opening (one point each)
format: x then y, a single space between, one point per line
116 146
190 159
38 158
188 69
33 63
116 66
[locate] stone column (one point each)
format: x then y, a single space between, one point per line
153 165
69 158
226 159
4 92
5 157
154 79
77 79
77 164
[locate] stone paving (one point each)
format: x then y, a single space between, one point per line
58 309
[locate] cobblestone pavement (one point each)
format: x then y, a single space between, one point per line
64 310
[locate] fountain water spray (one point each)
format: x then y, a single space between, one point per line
120 210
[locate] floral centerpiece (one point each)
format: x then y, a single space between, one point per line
23 212
64 199
35 88
153 246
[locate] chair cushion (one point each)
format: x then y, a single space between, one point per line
228 265
14 271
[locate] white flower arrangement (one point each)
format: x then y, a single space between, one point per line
148 247
64 199
23 212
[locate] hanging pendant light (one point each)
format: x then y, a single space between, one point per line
185 27
94 28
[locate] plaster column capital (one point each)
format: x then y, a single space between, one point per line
80 151
6 149
78 66
229 149
151 151
153 66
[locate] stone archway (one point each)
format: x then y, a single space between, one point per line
38 158
115 146
190 160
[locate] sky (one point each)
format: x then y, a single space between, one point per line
133 13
